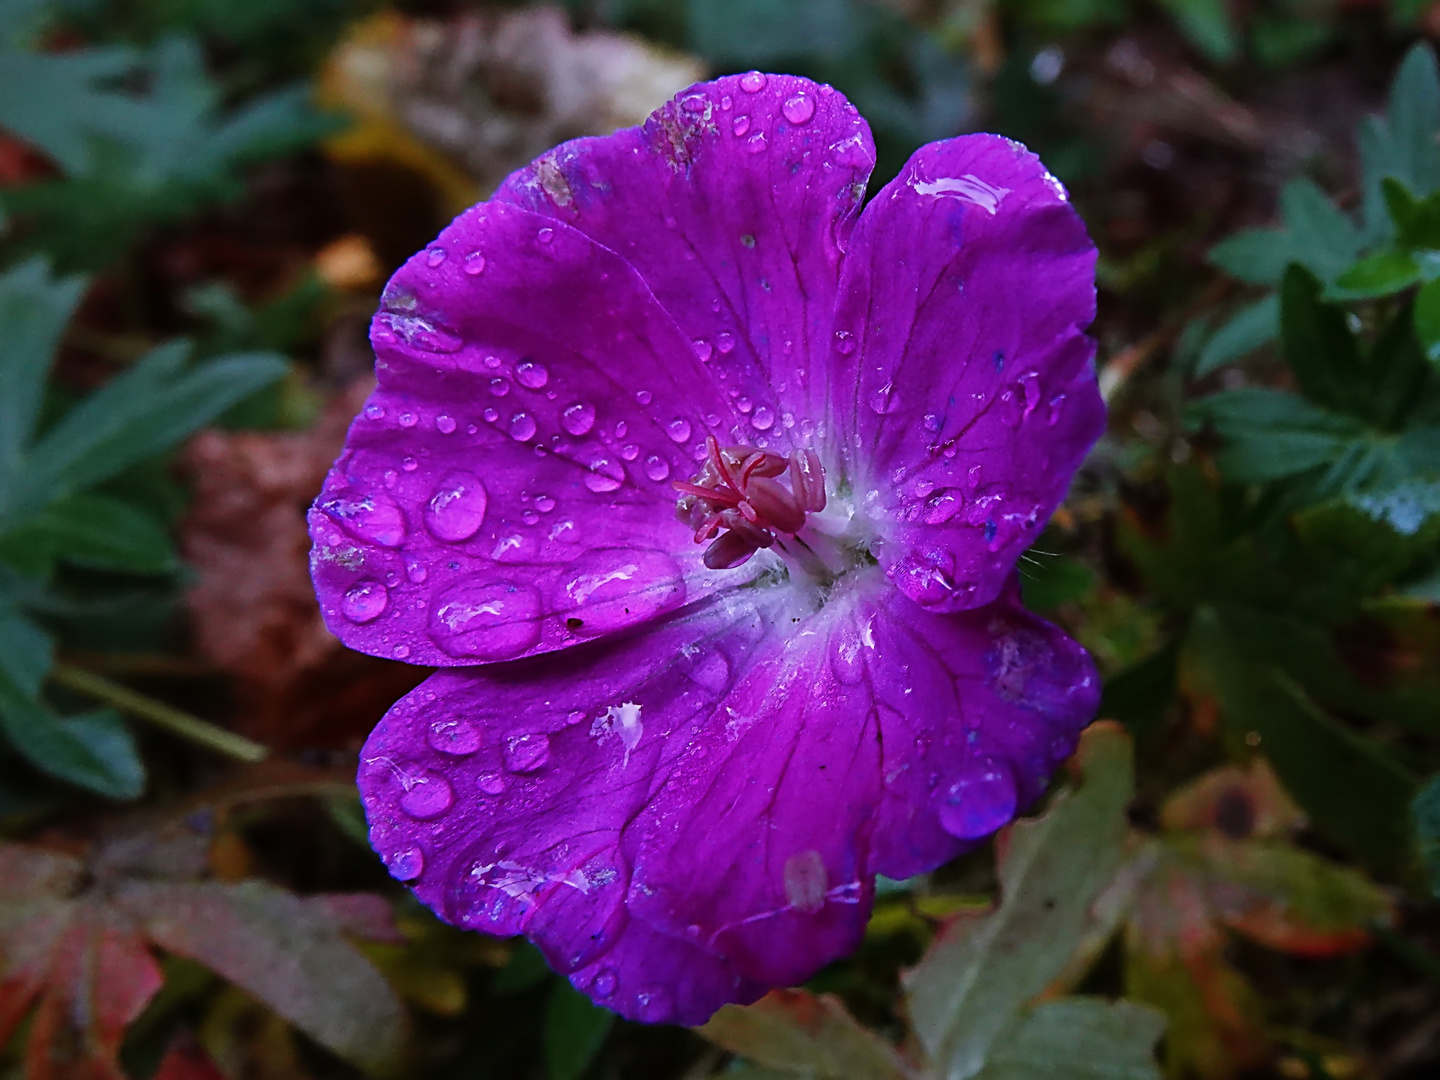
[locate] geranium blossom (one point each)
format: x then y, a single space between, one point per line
705 488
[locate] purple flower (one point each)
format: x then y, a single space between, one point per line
706 489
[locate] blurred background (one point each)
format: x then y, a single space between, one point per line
199 203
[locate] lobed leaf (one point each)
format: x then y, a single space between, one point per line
797 1033
1080 1038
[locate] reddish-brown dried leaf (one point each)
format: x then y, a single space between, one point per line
187 1062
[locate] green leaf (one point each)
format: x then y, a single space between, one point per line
288 953
92 750
1355 793
1401 145
1426 811
1080 1038
1321 350
1269 434
141 413
969 987
34 308
1139 696
797 1033
26 651
1255 256
1427 320
1380 274
1208 25
91 530
1416 221
1248 329
575 1031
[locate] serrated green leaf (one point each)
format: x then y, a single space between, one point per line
797 1033
34 308
92 530
1080 1038
1250 328
141 413
1401 144
1426 814
1380 274
969 987
575 1031
92 750
1269 434
1319 347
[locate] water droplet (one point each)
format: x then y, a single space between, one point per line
530 517
725 341
426 795
526 753
456 509
474 264
678 429
604 475
492 362
979 800
445 424
763 420
630 451
544 503
391 478
522 427
942 506
656 468
605 983
491 783
490 415
409 464
702 349
493 620
454 736
740 125
578 418
620 429
407 864
799 109
401 652
1056 404
531 375
545 235
499 386
408 419
752 82
435 256
608 588
365 601
885 400
844 342
756 143
374 412
644 397
374 517
744 404
654 1004
1030 387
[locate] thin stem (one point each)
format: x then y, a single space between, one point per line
142 707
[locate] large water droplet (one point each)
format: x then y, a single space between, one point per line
531 375
799 109
703 349
740 125
445 424
374 517
407 864
578 418
454 736
678 429
763 420
756 143
457 509
426 795
604 476
435 256
605 984
364 602
885 400
493 620
526 753
474 264
752 82
608 588
656 468
979 800
522 427
491 783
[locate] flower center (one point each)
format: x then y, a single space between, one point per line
737 503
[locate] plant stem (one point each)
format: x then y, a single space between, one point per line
173 720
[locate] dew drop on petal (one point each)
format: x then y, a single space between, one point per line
799 109
545 235
499 386
491 415
374 412
756 143
604 476
656 468
844 342
1056 403
426 796
605 983
752 82
435 256
607 588
531 375
407 864
885 400
445 424
374 517
401 652
763 420
654 1005
725 341
578 418
408 419
702 349
644 397
364 602
522 427
474 264
456 509
491 783
979 800
454 736
409 464
489 620
544 503
740 125
526 753
678 429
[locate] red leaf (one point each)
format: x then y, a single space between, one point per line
186 1062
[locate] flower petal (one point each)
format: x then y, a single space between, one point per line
961 370
506 488
734 202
